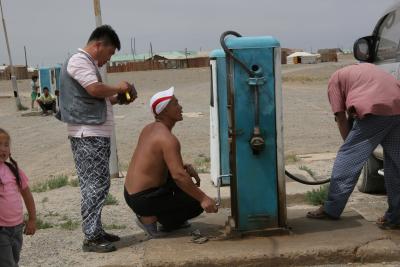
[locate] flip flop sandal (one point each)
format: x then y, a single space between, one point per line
319 214
389 226
381 220
197 237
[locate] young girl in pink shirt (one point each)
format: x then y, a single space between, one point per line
13 185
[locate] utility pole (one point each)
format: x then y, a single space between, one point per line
151 55
133 49
187 62
26 60
114 170
13 78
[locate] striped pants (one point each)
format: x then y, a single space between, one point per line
91 156
363 138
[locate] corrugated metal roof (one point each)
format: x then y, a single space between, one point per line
168 55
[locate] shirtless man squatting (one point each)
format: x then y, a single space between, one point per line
159 186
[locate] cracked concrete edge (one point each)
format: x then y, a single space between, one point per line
374 251
383 249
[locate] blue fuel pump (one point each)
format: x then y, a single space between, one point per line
49 77
250 129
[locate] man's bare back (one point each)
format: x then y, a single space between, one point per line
147 168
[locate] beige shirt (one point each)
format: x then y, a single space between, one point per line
81 68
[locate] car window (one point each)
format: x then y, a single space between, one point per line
389 37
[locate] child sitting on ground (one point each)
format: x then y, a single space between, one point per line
13 185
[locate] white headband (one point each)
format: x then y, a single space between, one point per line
160 100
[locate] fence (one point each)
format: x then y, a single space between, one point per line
160 64
21 73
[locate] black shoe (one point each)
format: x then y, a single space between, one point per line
99 245
110 237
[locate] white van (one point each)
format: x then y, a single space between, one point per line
383 49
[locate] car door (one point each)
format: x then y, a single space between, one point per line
388 43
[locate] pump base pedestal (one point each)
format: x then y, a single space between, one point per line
231 232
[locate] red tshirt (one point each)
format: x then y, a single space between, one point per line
366 88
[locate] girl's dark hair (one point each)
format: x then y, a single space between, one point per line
12 165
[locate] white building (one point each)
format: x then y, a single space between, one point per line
302 58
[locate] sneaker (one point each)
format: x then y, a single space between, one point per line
150 229
184 225
110 237
99 245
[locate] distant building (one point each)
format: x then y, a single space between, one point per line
330 50
285 52
302 58
21 72
4 75
162 60
330 54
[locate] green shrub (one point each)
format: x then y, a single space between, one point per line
74 182
110 200
39 187
307 169
70 225
40 224
317 196
57 182
114 226
53 183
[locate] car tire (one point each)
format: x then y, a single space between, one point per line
370 180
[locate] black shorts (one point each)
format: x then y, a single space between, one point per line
168 203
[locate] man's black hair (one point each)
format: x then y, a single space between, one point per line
107 34
46 88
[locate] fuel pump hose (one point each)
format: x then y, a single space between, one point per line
297 179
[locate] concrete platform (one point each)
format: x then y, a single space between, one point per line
352 239
311 242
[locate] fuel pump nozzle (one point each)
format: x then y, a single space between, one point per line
257 142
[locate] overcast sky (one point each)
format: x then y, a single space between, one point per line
50 29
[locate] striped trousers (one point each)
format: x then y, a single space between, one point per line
92 156
363 138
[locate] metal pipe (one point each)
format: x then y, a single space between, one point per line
219 183
13 78
113 164
257 108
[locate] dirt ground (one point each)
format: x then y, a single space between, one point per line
41 147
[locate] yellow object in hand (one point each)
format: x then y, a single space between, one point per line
128 96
